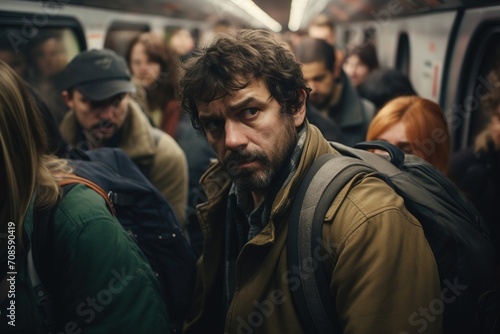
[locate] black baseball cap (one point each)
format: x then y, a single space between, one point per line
97 74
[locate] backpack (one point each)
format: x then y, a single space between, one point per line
456 233
143 212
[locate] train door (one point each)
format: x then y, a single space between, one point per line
474 74
38 46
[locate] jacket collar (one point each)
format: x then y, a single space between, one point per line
349 108
216 184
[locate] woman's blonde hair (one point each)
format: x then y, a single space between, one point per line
491 106
426 128
26 171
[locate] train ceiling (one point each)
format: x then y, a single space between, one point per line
275 14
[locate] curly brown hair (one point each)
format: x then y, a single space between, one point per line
231 62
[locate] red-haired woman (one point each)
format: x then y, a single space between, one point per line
417 126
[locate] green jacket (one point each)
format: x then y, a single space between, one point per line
382 272
147 147
104 283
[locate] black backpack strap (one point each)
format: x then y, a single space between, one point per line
41 268
325 179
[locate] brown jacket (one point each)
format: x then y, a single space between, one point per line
384 278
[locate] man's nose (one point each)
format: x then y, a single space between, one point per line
234 135
107 112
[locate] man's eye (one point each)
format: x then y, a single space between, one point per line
319 79
249 113
213 125
117 100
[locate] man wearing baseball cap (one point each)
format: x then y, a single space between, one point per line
96 87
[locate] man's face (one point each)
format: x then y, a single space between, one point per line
100 119
321 81
250 134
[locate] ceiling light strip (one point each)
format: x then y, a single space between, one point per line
257 13
297 11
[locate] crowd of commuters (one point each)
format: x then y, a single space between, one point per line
91 251
226 133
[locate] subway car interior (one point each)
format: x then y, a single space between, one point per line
446 51
446 48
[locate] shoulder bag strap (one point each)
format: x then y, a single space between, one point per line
312 298
74 179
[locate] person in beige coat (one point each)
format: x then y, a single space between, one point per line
384 278
96 87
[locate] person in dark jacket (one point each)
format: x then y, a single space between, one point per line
103 283
333 94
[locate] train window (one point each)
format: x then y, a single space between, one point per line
120 34
481 76
38 52
403 54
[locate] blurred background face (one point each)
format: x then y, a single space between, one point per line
321 81
50 57
182 42
143 69
396 135
322 32
356 70
16 61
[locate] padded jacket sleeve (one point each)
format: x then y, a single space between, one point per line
385 278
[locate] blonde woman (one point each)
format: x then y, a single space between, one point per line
102 282
476 170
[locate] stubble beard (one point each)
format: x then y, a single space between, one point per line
261 179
